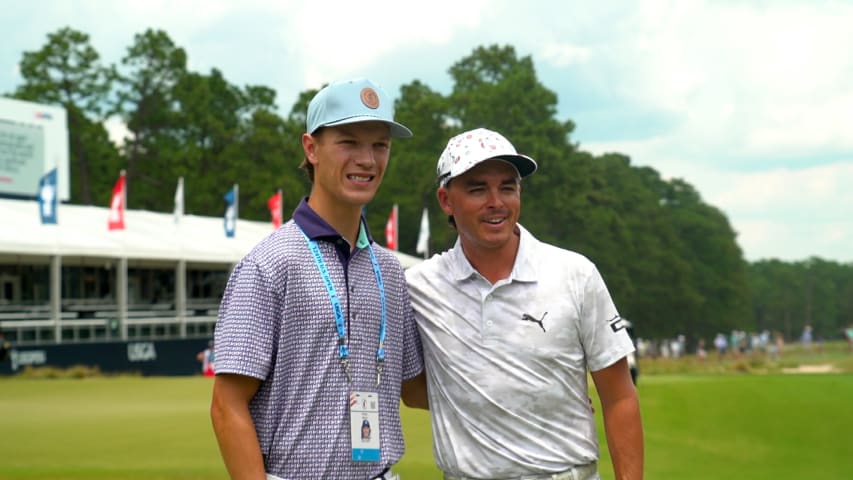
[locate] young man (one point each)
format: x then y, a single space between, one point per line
315 332
510 326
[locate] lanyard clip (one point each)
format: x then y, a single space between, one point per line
345 364
378 371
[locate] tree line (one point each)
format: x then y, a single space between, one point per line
670 259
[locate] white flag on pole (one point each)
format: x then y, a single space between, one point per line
179 200
423 236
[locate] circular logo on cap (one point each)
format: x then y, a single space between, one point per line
369 98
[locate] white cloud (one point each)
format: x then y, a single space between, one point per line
789 214
359 34
563 55
794 241
800 129
116 130
743 79
817 193
186 16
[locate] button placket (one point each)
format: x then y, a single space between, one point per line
488 300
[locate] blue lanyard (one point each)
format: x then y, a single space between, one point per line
343 349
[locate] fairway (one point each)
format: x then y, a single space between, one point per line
696 427
747 426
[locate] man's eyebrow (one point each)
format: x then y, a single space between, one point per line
474 182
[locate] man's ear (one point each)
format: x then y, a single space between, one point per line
444 200
309 146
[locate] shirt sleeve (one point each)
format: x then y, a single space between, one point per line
413 352
605 339
249 322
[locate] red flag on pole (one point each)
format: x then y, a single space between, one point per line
116 218
391 230
275 205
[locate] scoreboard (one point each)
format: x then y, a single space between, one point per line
33 141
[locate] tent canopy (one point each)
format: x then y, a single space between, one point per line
82 231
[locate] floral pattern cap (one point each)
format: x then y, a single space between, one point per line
468 149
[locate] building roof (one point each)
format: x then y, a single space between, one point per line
82 231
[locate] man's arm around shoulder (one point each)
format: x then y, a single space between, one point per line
234 427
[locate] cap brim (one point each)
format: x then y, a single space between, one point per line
524 164
398 130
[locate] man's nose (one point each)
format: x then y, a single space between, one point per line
365 156
494 198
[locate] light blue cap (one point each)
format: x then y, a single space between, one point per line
352 101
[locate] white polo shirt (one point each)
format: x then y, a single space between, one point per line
507 398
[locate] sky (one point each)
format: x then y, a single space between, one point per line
751 102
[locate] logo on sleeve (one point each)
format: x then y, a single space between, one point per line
617 323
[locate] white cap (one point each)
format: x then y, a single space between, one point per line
466 150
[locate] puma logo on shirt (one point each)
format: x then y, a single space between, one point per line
529 318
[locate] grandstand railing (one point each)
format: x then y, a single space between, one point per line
93 323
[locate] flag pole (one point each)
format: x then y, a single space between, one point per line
124 192
281 204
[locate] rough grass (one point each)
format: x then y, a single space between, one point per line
793 356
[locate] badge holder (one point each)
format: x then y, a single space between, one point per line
364 420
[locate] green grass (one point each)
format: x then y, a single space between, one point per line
697 426
107 428
753 427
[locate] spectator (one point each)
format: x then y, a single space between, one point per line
701 353
848 334
207 358
721 344
5 346
806 338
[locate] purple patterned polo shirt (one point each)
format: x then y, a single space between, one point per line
276 324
